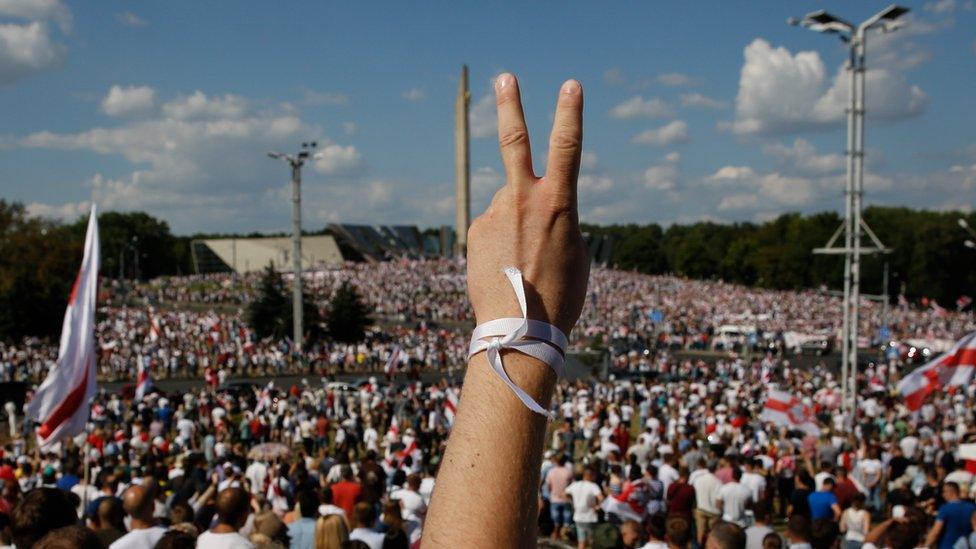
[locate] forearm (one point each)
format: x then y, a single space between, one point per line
487 483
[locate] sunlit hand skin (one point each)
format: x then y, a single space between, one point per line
486 489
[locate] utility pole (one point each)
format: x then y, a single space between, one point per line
854 224
296 161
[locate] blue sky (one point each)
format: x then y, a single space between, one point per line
715 110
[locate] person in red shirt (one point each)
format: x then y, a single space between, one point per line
347 492
844 489
681 496
621 437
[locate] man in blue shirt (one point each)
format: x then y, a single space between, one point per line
954 520
823 502
302 531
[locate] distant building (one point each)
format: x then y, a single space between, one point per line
245 255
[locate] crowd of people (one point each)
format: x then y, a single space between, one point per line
635 462
664 452
185 326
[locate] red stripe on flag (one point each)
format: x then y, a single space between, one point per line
66 409
74 289
779 406
965 357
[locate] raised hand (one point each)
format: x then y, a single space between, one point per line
486 491
532 222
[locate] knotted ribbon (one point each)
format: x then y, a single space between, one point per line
534 338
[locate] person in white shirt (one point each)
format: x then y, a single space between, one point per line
143 533
706 486
364 517
668 473
586 497
756 533
412 506
755 482
233 508
256 475
733 498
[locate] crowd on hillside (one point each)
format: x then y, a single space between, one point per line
647 461
187 326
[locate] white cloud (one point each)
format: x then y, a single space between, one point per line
198 162
588 160
349 128
738 202
198 105
637 106
26 49
70 211
38 10
940 7
732 173
483 117
614 77
803 157
675 79
787 191
121 101
701 101
336 159
664 175
316 98
595 183
415 94
673 132
781 92
130 19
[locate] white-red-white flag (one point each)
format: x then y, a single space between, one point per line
155 331
786 410
61 403
393 433
392 363
144 380
450 406
955 367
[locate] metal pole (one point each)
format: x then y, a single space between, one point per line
848 192
296 240
858 192
884 290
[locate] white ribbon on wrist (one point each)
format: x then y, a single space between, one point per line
534 338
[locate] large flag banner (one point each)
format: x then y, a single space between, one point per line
786 410
61 403
955 367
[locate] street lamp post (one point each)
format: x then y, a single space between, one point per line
296 161
853 226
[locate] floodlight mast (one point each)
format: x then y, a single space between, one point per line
854 224
296 161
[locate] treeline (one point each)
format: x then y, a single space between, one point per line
928 259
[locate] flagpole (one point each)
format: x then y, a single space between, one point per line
87 474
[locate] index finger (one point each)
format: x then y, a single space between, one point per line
566 139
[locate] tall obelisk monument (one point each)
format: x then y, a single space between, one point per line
462 161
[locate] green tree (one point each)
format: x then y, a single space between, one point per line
269 315
138 245
348 315
39 261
